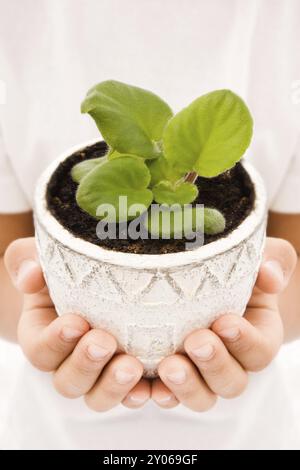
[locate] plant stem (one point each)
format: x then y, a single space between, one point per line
191 177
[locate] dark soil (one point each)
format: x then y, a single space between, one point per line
232 193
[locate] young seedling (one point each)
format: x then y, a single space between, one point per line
155 155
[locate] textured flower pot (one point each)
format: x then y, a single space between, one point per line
150 303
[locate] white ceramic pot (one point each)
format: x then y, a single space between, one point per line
150 303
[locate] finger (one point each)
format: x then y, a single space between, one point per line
162 396
79 372
278 265
139 395
22 264
46 339
182 378
222 373
253 340
118 378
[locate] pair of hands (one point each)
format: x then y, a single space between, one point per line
84 360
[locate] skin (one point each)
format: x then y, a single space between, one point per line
216 360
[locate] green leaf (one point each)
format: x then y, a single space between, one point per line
130 119
104 185
181 193
115 154
210 135
214 222
183 221
162 169
80 170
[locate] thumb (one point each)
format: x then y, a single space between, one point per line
278 265
21 262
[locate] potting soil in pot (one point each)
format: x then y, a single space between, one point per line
232 193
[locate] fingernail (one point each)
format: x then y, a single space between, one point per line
165 399
275 268
231 334
177 377
138 400
70 334
95 352
123 377
26 267
204 353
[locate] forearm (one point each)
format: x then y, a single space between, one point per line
10 305
287 226
289 302
12 227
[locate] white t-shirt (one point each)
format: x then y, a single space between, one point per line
51 52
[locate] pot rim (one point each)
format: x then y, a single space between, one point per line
145 261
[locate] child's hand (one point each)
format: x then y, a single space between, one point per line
219 358
81 358
218 361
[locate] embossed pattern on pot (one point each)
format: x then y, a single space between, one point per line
151 318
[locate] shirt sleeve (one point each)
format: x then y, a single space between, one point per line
12 198
287 199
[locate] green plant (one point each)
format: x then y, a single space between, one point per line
156 156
